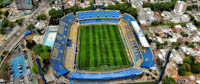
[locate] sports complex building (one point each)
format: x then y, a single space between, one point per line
100 45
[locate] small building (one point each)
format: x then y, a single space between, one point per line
146 16
180 7
191 27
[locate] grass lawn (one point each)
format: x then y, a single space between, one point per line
101 48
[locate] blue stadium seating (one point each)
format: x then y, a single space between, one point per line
98 14
128 18
105 76
60 45
148 55
148 58
98 21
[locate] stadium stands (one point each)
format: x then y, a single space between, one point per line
105 76
60 45
147 54
128 18
98 17
148 58
98 14
98 21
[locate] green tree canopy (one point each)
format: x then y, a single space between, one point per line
30 44
11 24
196 68
55 13
35 68
187 60
5 22
30 27
168 80
46 48
42 17
181 71
45 55
20 21
160 6
123 7
37 49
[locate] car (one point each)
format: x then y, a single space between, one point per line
20 71
21 81
11 82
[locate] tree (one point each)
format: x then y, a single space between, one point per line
6 14
132 11
11 24
30 44
155 23
5 22
37 49
187 60
55 13
181 71
35 68
20 21
1 12
191 45
160 6
45 55
168 80
42 17
46 48
30 27
192 60
123 7
2 31
158 43
196 68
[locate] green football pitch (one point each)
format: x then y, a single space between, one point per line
101 48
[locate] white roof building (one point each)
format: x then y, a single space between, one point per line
173 39
140 34
189 51
180 7
159 40
146 16
195 38
40 25
166 15
191 27
174 56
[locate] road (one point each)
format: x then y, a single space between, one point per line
18 33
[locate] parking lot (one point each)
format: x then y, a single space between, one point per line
19 66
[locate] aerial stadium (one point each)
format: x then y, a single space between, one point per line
101 45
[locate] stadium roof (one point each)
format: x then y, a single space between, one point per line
140 34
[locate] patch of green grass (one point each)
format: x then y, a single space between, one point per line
101 48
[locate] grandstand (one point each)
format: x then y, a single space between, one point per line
136 49
87 17
141 39
60 45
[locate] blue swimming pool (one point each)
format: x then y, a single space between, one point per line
15 63
50 36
